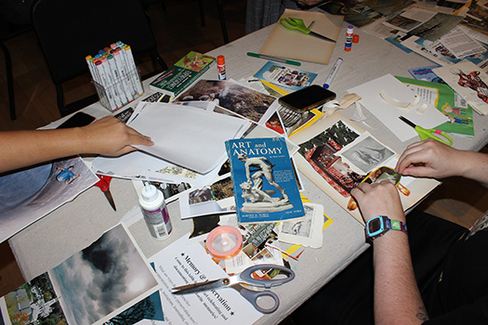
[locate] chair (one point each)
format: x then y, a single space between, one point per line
68 31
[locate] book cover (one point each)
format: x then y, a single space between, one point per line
182 74
281 75
264 181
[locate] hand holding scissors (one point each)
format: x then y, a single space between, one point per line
240 282
435 134
299 25
104 185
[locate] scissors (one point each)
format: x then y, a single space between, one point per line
104 185
240 283
429 133
298 24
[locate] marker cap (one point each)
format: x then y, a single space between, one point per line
355 38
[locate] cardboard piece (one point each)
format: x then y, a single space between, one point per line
292 44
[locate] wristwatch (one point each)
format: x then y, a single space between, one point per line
380 225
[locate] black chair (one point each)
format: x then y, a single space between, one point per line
68 31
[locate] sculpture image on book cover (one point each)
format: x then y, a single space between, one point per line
264 180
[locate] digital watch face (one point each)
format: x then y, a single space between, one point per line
375 226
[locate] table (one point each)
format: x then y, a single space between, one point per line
77 224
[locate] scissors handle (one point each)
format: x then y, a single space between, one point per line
253 297
294 24
435 134
246 275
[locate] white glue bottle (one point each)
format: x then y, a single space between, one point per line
155 212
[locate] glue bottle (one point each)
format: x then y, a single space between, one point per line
349 35
155 212
221 67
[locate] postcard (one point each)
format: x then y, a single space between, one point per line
306 232
282 75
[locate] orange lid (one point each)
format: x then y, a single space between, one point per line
355 38
220 60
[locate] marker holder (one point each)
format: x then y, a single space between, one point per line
122 91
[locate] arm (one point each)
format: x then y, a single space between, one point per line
107 136
309 3
431 158
397 298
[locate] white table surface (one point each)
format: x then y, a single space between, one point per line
77 224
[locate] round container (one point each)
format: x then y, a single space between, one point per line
224 242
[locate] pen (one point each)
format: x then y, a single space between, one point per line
272 58
332 73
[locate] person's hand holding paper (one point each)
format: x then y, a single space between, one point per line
189 137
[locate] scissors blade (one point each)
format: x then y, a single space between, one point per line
200 286
404 119
110 199
322 36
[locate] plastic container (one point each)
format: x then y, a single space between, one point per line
155 212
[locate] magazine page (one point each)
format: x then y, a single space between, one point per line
337 155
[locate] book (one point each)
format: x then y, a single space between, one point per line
264 180
182 74
281 75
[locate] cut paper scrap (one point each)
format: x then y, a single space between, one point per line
389 114
405 105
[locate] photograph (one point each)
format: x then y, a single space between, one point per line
99 280
368 154
241 100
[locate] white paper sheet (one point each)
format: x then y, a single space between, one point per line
186 136
389 114
177 265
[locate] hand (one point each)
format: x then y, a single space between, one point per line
378 199
431 158
108 136
308 3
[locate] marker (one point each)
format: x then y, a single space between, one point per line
272 58
332 73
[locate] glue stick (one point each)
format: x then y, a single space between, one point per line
155 212
221 67
349 35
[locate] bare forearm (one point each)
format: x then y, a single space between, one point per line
24 148
397 297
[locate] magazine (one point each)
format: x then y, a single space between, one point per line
264 181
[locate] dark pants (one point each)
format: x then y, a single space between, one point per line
348 298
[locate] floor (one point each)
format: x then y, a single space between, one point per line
457 200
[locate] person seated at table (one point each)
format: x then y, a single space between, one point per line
434 275
107 136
